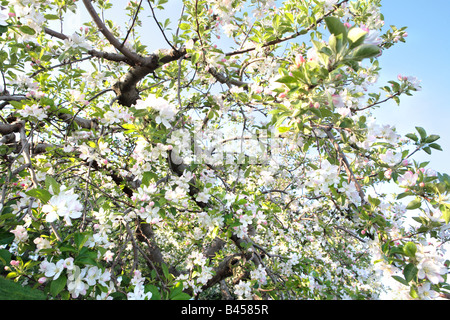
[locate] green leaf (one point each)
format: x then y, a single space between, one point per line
56 286
185 26
147 177
412 136
51 182
283 129
5 256
432 138
365 51
410 249
3 29
156 295
195 57
165 271
413 293
181 296
356 37
27 30
410 272
51 17
10 290
435 146
40 194
286 79
400 279
415 204
6 238
80 239
445 209
404 194
374 201
422 132
336 27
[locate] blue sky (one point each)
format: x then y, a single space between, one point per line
425 55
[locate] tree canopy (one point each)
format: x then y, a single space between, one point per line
240 160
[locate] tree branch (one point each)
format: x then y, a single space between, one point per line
95 53
133 56
10 128
348 169
290 37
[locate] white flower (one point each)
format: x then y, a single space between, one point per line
259 274
68 263
20 234
75 283
65 205
373 38
53 269
3 17
431 270
390 158
139 293
141 104
77 41
41 243
33 111
408 179
425 292
202 197
190 44
92 275
328 4
166 110
312 55
243 290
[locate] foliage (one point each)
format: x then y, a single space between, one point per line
240 161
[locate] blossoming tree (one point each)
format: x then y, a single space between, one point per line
240 161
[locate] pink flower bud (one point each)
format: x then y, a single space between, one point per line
42 280
14 263
299 60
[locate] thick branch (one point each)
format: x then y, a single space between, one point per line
10 128
126 91
223 270
12 98
84 123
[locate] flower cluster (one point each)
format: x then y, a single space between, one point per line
139 289
167 111
64 205
79 280
34 111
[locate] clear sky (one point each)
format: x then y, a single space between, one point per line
425 55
